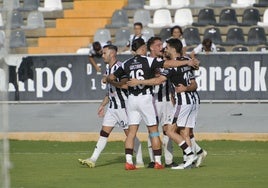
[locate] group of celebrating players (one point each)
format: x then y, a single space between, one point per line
158 88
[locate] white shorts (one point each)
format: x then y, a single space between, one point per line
185 115
141 107
165 112
115 117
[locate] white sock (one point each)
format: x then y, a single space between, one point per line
129 158
195 147
187 150
158 159
168 149
99 147
150 150
138 151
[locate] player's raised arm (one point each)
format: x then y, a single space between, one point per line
176 63
150 82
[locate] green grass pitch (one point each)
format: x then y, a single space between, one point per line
229 164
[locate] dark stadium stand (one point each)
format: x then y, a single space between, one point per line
73 27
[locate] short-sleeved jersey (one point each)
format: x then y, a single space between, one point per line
141 68
117 96
183 75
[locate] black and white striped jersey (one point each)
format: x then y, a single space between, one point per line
141 68
116 95
163 91
182 75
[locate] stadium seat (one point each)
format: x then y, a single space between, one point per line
2 25
122 37
16 4
206 16
214 34
234 36
240 49
134 4
243 3
221 3
175 4
102 35
51 5
264 23
261 3
142 16
83 51
256 36
200 3
165 33
183 17
119 19
250 17
2 39
161 18
227 17
262 49
29 5
16 20
17 39
191 36
148 32
35 20
156 4
220 49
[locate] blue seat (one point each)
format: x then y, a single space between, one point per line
206 16
191 36
256 36
29 5
234 36
134 4
17 39
214 34
227 17
250 17
122 37
119 19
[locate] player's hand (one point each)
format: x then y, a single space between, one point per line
133 82
98 69
104 79
101 111
180 88
194 63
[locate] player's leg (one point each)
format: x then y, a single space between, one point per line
137 150
156 145
168 148
151 155
201 154
101 143
148 114
129 147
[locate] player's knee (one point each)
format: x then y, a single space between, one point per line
104 134
154 134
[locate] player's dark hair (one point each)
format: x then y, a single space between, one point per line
175 43
176 27
96 46
138 24
151 41
111 47
137 43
